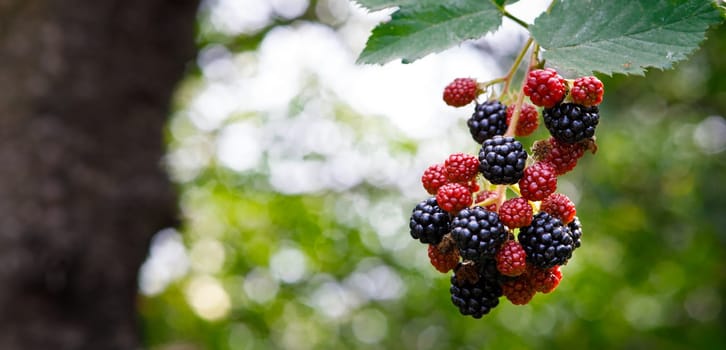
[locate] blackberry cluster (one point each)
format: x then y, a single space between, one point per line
571 111
499 247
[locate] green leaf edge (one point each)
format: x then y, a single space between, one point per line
362 57
718 5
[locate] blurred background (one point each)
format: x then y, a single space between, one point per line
297 171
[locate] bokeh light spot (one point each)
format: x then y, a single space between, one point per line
370 326
260 286
288 265
207 297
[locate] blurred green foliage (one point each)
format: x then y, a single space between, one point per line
313 270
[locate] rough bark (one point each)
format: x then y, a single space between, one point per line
85 89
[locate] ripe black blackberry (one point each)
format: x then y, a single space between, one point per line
488 268
502 160
489 119
478 233
546 241
571 123
429 223
576 231
475 298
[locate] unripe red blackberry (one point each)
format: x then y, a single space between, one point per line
544 280
461 167
453 197
511 259
473 186
559 206
562 156
433 178
587 91
545 87
519 291
443 259
528 119
486 195
538 182
515 212
461 92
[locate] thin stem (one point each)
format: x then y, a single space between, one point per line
515 115
534 59
520 95
501 195
515 65
510 16
486 84
501 189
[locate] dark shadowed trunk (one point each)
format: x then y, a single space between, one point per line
84 92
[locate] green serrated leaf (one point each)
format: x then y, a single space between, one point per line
426 26
622 36
380 4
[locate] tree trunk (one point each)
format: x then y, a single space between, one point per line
85 89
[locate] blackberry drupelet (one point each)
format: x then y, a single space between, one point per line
478 233
546 241
489 119
429 223
576 231
502 160
570 123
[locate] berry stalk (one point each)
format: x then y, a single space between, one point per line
520 96
501 190
515 65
